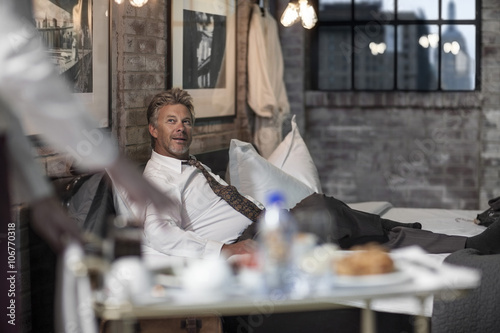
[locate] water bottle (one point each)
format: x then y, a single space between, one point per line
276 233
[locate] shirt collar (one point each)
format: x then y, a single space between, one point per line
169 162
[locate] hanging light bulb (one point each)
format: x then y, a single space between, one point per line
299 11
119 1
138 3
307 14
290 15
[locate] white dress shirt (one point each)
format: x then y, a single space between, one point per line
200 222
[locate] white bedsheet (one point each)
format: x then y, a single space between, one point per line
447 221
374 207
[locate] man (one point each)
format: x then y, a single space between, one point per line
201 223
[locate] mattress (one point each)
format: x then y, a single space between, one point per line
447 221
374 207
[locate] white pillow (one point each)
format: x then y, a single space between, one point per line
253 175
293 157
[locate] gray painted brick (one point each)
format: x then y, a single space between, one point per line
134 63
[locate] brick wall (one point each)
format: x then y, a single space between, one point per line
413 149
490 115
138 49
377 147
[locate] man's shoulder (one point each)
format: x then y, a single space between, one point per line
155 170
152 167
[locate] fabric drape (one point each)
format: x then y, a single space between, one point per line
266 88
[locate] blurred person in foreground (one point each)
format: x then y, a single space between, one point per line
30 88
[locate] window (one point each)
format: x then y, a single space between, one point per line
404 45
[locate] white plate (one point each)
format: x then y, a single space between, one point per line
376 280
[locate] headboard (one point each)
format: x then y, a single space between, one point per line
217 161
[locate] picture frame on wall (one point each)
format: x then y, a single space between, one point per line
75 34
203 54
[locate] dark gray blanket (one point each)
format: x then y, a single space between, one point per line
477 311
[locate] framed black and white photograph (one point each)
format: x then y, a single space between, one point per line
75 34
203 57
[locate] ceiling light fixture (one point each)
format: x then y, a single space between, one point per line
299 11
135 3
138 3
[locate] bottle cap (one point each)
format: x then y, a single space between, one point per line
275 197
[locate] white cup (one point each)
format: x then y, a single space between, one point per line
128 280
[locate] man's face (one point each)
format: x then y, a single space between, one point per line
174 131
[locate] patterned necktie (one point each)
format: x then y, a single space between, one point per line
229 193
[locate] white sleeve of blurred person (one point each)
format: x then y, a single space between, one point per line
28 184
30 86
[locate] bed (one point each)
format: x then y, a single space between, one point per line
473 312
447 221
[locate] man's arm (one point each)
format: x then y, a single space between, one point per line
163 232
30 86
247 246
51 222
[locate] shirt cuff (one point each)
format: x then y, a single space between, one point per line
212 248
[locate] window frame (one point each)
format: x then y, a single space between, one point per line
395 23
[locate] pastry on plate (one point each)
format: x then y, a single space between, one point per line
368 259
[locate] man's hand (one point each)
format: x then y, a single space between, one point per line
248 246
51 222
